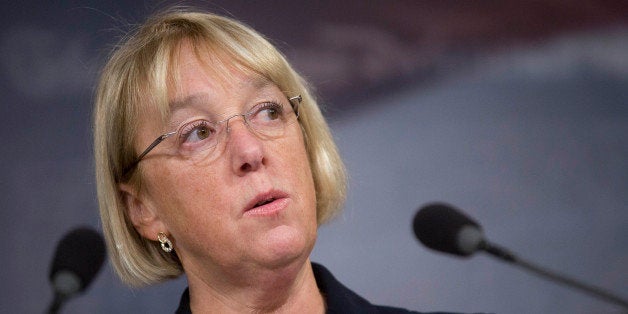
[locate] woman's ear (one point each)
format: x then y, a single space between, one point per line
142 214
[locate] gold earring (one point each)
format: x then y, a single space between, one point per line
166 245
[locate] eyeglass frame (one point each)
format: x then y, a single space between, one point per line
161 138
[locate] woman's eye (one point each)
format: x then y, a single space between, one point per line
197 132
270 111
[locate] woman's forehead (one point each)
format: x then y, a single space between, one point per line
213 62
197 71
199 74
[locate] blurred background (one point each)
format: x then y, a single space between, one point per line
515 111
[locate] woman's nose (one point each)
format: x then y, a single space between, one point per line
245 149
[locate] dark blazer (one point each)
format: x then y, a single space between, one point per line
338 298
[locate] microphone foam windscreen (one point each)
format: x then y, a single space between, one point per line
438 226
82 252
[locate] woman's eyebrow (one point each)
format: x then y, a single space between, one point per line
196 102
200 100
188 101
258 83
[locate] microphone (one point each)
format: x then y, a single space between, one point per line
443 228
78 258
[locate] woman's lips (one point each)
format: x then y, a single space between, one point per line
268 209
266 204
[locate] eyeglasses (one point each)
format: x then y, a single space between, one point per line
267 119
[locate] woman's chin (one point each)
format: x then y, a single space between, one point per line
284 245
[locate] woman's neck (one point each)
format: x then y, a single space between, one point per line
290 289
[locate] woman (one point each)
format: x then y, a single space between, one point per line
214 161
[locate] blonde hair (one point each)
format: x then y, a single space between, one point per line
138 74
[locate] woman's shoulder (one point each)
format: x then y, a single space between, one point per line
340 299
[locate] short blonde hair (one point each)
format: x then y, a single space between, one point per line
137 74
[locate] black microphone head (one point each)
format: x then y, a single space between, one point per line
78 258
442 227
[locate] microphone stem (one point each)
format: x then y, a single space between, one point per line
507 256
56 303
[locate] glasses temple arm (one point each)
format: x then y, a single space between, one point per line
294 102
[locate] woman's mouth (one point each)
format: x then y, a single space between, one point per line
267 204
264 202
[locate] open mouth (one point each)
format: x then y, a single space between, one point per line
264 202
268 203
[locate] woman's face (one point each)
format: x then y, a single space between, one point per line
210 207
